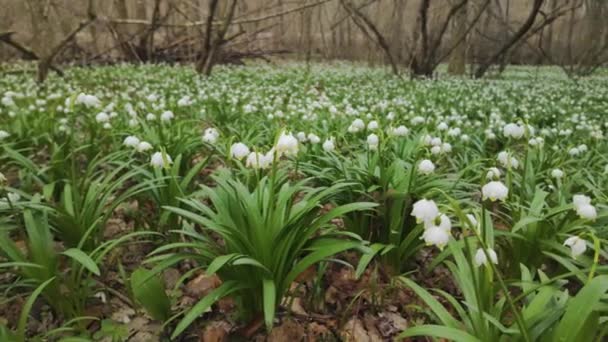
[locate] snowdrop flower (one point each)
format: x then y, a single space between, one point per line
150 117
372 125
239 150
425 211
436 236
160 160
587 211
481 259
446 147
494 190
133 123
102 117
579 200
8 101
372 142
514 131
582 148
13 197
107 125
442 126
356 126
258 160
577 246
184 101
436 150
574 152
417 120
167 116
400 131
390 116
329 145
88 100
436 142
314 139
301 137
211 135
507 160
426 167
557 173
131 141
4 134
287 145
473 221
493 173
143 146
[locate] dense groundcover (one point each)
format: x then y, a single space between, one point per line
324 203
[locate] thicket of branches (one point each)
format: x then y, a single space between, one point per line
413 37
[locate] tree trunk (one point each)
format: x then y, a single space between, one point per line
457 65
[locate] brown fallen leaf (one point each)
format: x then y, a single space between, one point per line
200 286
216 331
288 331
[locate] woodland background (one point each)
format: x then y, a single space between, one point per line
411 35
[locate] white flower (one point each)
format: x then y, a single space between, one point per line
586 211
435 150
400 131
446 147
143 146
513 130
442 126
577 246
160 160
239 150
4 135
211 135
13 197
314 139
582 148
473 221
3 180
493 173
167 116
579 200
426 167
372 142
557 173
436 142
329 145
150 117
425 211
184 101
131 141
480 257
258 160
287 145
356 126
372 125
102 117
301 137
88 100
107 125
507 160
436 236
495 191
133 123
574 151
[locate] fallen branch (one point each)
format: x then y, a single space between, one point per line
28 54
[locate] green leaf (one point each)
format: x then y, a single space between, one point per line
83 259
452 334
580 309
224 290
27 307
150 293
270 296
